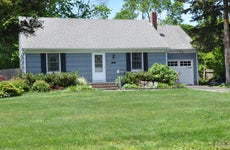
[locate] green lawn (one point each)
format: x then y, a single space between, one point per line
157 119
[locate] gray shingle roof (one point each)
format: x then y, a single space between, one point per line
80 34
175 37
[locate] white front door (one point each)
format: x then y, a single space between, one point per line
98 60
184 68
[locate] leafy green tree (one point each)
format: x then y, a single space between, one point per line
128 10
10 27
208 34
132 9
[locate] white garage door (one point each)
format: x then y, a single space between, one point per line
184 68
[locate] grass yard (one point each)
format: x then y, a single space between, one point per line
130 120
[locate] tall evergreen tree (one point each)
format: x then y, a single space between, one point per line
212 18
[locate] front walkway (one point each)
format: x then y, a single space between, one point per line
210 88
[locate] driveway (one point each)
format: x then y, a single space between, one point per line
209 88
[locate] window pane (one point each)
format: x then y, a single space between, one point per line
185 63
136 61
172 63
98 63
53 62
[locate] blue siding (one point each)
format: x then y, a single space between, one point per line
186 56
113 64
33 63
81 62
158 57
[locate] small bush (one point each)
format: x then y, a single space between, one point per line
129 78
2 78
202 81
163 74
130 86
9 90
40 86
143 76
81 81
29 78
162 86
3 94
21 84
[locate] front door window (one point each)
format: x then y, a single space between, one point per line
98 63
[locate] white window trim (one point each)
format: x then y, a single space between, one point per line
142 63
47 63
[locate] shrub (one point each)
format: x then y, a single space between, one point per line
40 86
163 86
9 90
2 78
143 76
129 78
163 73
81 81
29 78
57 80
130 86
21 84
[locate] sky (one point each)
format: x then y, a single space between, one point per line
116 6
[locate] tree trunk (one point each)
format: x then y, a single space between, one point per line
226 43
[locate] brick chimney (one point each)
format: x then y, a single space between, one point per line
154 19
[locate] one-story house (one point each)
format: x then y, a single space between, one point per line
98 48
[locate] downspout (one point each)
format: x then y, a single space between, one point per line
197 73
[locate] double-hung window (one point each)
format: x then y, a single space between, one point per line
137 61
53 62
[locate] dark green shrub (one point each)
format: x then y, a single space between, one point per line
55 80
202 81
40 86
129 78
64 80
28 77
163 74
143 76
9 90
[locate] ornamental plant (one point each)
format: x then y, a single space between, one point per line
2 78
163 74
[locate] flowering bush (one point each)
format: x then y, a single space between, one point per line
2 78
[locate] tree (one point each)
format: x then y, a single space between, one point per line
208 34
129 10
10 27
132 9
226 42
